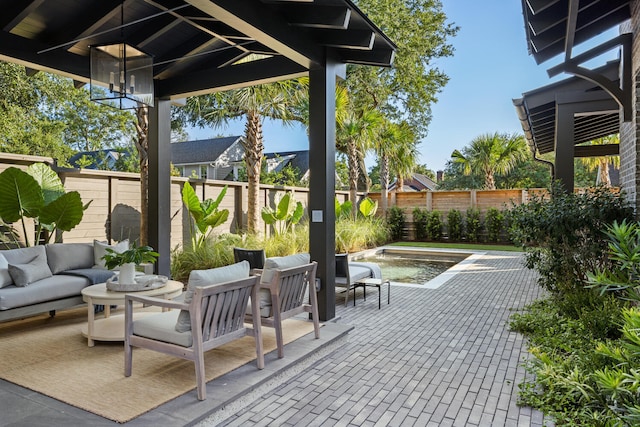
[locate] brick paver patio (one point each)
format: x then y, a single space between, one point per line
441 357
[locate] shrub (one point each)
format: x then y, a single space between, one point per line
563 236
420 218
473 224
395 221
494 222
434 225
454 225
359 234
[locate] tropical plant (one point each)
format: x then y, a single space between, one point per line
136 255
343 210
492 154
368 207
39 194
280 100
354 235
204 215
288 212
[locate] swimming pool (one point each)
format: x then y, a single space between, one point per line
416 267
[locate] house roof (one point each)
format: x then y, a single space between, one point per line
97 156
201 151
417 182
300 159
553 27
195 43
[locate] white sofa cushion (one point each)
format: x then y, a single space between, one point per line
5 277
31 270
100 250
69 256
213 276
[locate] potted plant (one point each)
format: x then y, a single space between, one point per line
128 260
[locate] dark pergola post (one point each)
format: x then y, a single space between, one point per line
159 220
322 181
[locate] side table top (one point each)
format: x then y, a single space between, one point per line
99 291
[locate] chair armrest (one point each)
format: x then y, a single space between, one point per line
256 272
157 302
147 268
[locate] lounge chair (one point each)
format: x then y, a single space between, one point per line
347 275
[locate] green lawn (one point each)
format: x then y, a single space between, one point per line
471 246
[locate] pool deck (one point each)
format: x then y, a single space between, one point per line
433 357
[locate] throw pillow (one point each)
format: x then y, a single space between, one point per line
5 277
200 278
100 250
34 270
69 256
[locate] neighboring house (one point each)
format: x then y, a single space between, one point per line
98 159
296 159
417 182
215 158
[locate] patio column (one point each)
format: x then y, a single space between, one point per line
322 181
159 221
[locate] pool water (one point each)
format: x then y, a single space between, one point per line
411 267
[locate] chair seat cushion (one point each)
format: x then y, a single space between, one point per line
357 272
162 327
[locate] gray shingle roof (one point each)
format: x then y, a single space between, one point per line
200 151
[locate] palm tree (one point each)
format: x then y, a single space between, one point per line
277 100
393 146
491 154
602 163
354 135
405 159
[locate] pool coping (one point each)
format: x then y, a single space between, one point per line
442 278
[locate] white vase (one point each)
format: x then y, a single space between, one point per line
127 274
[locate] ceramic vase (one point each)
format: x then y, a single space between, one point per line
127 274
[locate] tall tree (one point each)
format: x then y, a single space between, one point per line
406 91
491 154
275 100
354 136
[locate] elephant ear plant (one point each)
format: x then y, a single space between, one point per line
39 194
205 215
287 213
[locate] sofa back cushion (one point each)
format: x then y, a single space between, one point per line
29 268
69 256
100 250
5 277
213 276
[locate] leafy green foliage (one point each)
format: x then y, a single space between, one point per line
435 225
204 215
494 222
367 207
287 213
455 225
395 220
38 193
473 224
420 218
135 254
563 234
343 210
354 235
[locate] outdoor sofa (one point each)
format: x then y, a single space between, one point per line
46 278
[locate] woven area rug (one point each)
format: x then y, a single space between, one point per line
50 356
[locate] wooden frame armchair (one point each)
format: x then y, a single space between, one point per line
217 317
287 289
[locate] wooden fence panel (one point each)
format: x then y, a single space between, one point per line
444 201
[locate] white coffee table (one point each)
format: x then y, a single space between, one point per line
111 328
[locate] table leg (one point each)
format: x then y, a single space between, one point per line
379 295
91 314
388 292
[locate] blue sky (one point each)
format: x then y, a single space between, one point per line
490 67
